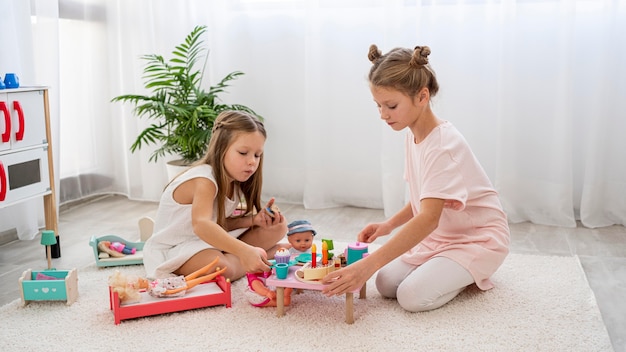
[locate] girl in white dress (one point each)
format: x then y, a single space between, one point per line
197 220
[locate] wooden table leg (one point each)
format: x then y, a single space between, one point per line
280 301
349 308
362 294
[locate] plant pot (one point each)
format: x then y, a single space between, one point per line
175 167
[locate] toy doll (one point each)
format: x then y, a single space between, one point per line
178 285
104 248
129 287
259 295
122 248
300 235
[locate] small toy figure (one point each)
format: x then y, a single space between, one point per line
300 235
122 248
259 295
104 248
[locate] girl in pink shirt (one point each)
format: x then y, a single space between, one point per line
453 231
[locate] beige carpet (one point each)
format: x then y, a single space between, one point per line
539 304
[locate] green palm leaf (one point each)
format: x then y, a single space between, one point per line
183 113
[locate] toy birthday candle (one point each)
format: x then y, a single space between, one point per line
313 256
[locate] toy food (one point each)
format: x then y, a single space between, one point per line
282 255
310 273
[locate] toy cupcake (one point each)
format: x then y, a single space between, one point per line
282 256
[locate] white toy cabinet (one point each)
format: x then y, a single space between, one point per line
26 168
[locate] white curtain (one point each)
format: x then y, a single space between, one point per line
537 87
18 54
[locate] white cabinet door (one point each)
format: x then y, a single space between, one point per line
27 119
24 175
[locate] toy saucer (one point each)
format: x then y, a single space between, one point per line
291 262
307 257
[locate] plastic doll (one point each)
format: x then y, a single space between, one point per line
104 247
178 285
300 235
128 287
122 248
259 295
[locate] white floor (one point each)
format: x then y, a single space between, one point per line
602 252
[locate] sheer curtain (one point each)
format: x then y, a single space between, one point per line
537 88
16 56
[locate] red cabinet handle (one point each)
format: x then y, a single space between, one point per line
19 135
6 135
3 183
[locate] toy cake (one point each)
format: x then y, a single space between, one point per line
309 273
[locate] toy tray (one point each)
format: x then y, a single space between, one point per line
209 294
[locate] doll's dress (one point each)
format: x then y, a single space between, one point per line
158 287
256 299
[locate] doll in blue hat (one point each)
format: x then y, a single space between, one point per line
300 235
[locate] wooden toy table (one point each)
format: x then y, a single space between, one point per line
292 282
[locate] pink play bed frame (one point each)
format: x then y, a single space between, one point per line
212 293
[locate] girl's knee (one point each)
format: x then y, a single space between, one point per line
234 273
415 304
423 299
385 287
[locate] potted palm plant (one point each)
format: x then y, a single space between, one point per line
182 111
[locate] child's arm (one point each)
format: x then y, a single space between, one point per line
200 193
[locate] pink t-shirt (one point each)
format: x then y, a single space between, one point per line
473 229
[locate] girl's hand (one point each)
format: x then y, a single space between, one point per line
346 279
372 231
270 215
255 260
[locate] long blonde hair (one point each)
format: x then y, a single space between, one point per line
227 126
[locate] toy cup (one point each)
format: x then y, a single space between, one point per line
355 251
282 270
